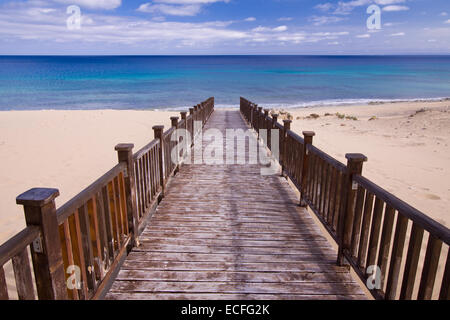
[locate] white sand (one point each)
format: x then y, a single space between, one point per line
67 150
408 156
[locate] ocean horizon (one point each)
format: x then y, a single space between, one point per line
177 82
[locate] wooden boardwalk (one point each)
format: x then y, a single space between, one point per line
227 232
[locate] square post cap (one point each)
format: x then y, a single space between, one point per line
37 197
183 114
309 133
124 147
356 157
156 128
287 121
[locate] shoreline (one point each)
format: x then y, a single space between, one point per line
303 105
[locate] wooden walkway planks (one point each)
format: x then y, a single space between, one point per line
226 232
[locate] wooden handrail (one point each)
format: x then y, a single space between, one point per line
432 226
18 243
145 149
76 202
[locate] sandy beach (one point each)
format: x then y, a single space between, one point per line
67 150
407 144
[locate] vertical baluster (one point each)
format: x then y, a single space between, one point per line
365 230
86 245
3 287
22 275
385 243
108 223
338 199
95 234
430 267
375 232
412 260
75 235
70 259
393 278
445 286
357 220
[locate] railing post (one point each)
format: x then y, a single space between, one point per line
266 114
125 155
308 139
196 113
183 116
269 130
192 113
40 210
259 118
283 156
203 112
175 125
158 131
354 166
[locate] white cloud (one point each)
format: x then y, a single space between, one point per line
250 19
395 8
324 6
398 34
280 29
444 14
362 36
448 21
188 10
346 7
387 2
321 20
176 7
266 29
285 19
93 4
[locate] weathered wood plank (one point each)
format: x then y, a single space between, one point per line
235 287
322 266
233 276
226 257
312 249
226 296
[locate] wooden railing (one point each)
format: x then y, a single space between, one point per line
380 236
78 249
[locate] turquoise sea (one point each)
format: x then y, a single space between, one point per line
159 82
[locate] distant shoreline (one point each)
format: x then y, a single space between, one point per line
293 106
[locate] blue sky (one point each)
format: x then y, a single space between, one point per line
224 27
